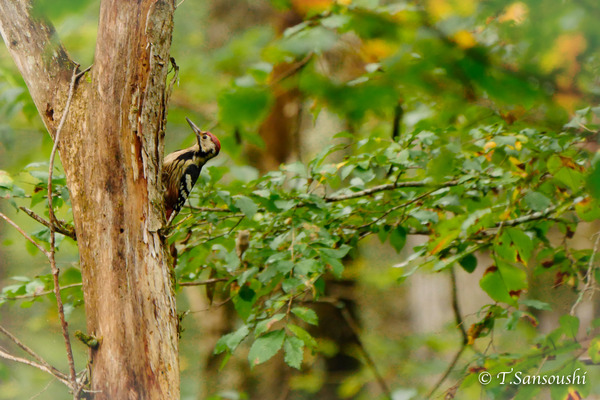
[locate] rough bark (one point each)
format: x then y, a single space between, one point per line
111 150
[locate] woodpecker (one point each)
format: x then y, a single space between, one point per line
182 168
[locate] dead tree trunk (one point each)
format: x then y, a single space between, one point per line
111 149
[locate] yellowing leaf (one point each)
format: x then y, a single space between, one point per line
516 12
376 49
571 45
514 161
563 55
489 145
518 145
439 9
340 165
465 8
573 395
305 6
569 163
568 101
464 39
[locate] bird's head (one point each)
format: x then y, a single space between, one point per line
209 144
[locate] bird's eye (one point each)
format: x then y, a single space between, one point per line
204 137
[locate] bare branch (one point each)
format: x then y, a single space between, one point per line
528 218
43 362
202 283
403 205
59 226
8 356
463 333
25 235
40 294
208 209
293 69
589 275
51 257
389 186
356 332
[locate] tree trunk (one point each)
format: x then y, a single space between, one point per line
111 149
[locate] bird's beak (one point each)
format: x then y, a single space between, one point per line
197 130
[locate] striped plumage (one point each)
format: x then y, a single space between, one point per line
182 168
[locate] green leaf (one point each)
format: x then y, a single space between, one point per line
538 305
468 262
514 278
588 209
265 325
290 285
265 347
537 201
304 40
284 266
499 284
492 284
297 168
337 268
594 350
593 181
398 238
336 253
294 351
504 248
284 205
6 182
522 242
38 197
306 314
244 301
246 205
307 266
303 335
232 340
569 324
441 166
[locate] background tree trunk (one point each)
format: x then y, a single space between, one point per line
111 149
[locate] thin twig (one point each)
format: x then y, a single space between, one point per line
40 294
8 356
590 276
202 283
216 305
32 353
356 332
42 391
173 80
209 209
403 205
456 308
25 235
59 226
297 66
460 325
389 186
53 221
527 218
82 73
